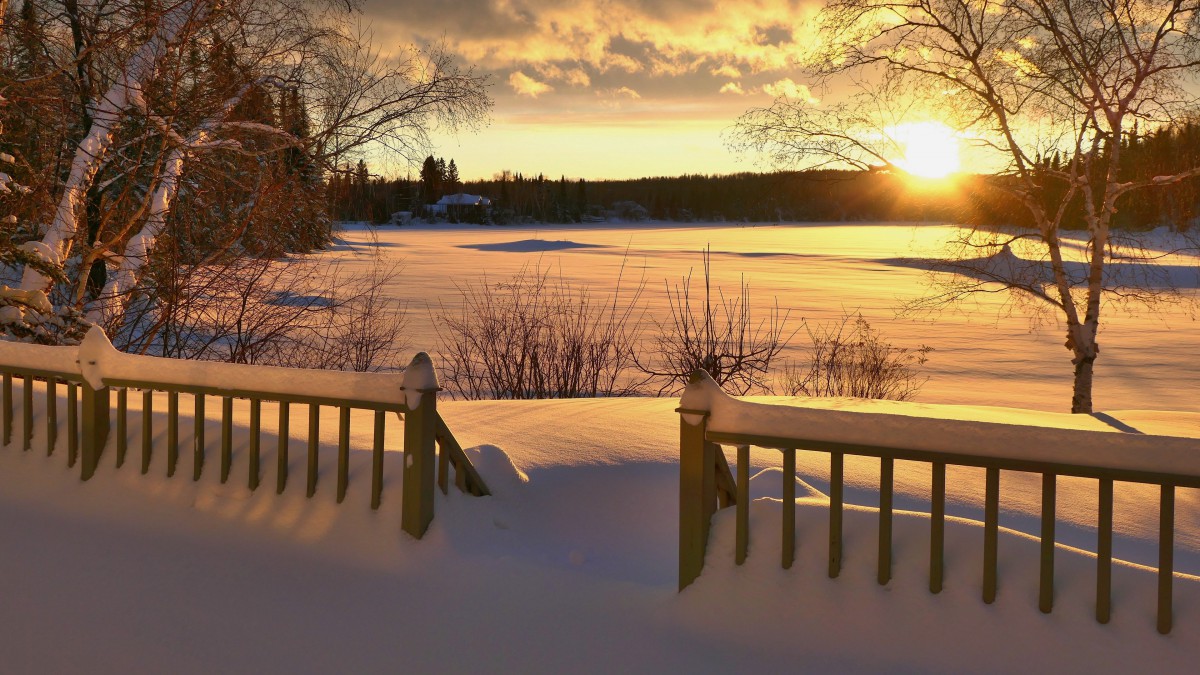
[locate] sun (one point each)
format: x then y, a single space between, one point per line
930 149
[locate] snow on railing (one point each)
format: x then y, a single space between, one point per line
94 370
1046 444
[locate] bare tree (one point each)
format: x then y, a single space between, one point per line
1025 79
166 90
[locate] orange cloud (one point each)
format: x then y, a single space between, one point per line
789 89
526 85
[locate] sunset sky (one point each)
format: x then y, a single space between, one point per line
608 88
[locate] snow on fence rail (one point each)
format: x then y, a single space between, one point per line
710 418
94 370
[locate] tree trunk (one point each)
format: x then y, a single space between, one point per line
56 244
1081 396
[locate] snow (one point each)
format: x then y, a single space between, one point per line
21 355
34 299
530 246
1087 440
569 567
420 377
101 362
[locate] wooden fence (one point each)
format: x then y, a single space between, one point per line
707 483
91 415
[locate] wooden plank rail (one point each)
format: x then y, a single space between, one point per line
699 476
89 415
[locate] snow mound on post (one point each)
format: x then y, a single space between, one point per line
1087 440
419 376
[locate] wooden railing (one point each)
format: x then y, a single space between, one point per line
94 374
707 483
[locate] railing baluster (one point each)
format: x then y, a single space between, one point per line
377 460
1046 577
837 462
789 507
1104 552
72 423
887 471
51 415
314 440
1166 556
27 413
122 425
172 432
460 475
226 437
443 467
147 428
937 528
8 408
743 503
198 438
343 461
281 469
991 522
255 439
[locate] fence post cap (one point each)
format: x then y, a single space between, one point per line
92 354
420 378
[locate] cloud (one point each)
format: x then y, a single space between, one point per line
732 88
656 37
620 62
726 70
625 92
572 76
787 88
526 85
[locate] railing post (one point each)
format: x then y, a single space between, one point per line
95 427
697 493
420 431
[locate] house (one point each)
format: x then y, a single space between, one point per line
463 207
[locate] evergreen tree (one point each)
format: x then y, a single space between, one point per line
431 181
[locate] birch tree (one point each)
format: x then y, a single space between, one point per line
1024 79
157 132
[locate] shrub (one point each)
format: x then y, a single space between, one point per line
720 336
534 337
849 358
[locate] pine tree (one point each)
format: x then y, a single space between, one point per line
431 180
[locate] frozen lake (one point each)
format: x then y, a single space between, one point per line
986 353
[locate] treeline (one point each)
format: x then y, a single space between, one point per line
814 196
758 197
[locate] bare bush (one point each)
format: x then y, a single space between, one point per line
534 337
849 358
720 336
295 312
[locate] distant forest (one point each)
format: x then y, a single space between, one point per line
767 197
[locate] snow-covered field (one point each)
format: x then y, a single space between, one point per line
571 565
986 354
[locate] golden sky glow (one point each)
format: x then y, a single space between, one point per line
608 88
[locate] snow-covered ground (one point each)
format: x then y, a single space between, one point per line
571 565
989 353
